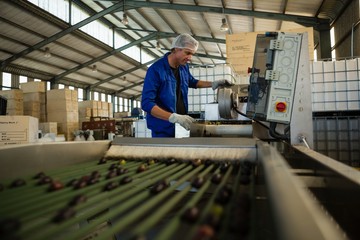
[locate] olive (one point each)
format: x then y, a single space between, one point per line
113 166
80 184
77 200
125 180
121 171
151 162
111 174
39 175
216 178
122 162
190 215
102 161
64 214
196 163
18 183
56 185
224 167
92 181
223 195
197 182
72 182
212 220
45 180
208 163
110 186
141 168
159 186
204 232
170 161
95 174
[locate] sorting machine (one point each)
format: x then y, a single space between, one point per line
263 182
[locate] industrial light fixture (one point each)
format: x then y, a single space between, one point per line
224 26
94 68
47 52
125 20
158 47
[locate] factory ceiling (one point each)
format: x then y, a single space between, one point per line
36 44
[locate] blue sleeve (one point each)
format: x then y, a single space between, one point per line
192 80
149 93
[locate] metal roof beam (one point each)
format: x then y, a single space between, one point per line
61 34
133 43
122 73
303 20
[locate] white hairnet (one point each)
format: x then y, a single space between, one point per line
184 40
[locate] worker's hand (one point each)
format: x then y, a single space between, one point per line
184 120
221 83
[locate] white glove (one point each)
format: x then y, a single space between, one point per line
221 83
184 120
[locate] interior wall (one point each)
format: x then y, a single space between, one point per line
343 26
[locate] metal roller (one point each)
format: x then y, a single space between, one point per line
228 102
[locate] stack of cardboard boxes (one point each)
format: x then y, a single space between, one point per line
15 101
34 99
93 109
62 107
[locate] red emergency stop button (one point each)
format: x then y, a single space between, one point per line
280 106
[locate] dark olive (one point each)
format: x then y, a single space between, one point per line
113 166
64 214
197 182
196 163
17 183
223 195
125 180
95 174
159 186
110 186
216 178
80 184
111 174
56 185
141 168
204 232
45 180
170 161
77 200
39 175
92 181
2 187
121 171
72 183
102 161
224 167
190 215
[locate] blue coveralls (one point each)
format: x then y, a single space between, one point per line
160 89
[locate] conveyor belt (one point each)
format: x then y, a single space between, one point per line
262 196
127 209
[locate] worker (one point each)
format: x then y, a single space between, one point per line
165 91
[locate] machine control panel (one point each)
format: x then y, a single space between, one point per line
273 77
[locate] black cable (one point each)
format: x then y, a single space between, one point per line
272 128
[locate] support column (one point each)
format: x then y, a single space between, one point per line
325 42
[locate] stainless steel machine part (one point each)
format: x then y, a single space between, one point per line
228 100
221 130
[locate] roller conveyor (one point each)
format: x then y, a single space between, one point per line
260 195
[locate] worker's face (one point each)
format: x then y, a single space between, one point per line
184 55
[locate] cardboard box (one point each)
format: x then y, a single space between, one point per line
35 97
12 94
33 87
88 104
48 127
63 116
18 129
61 94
